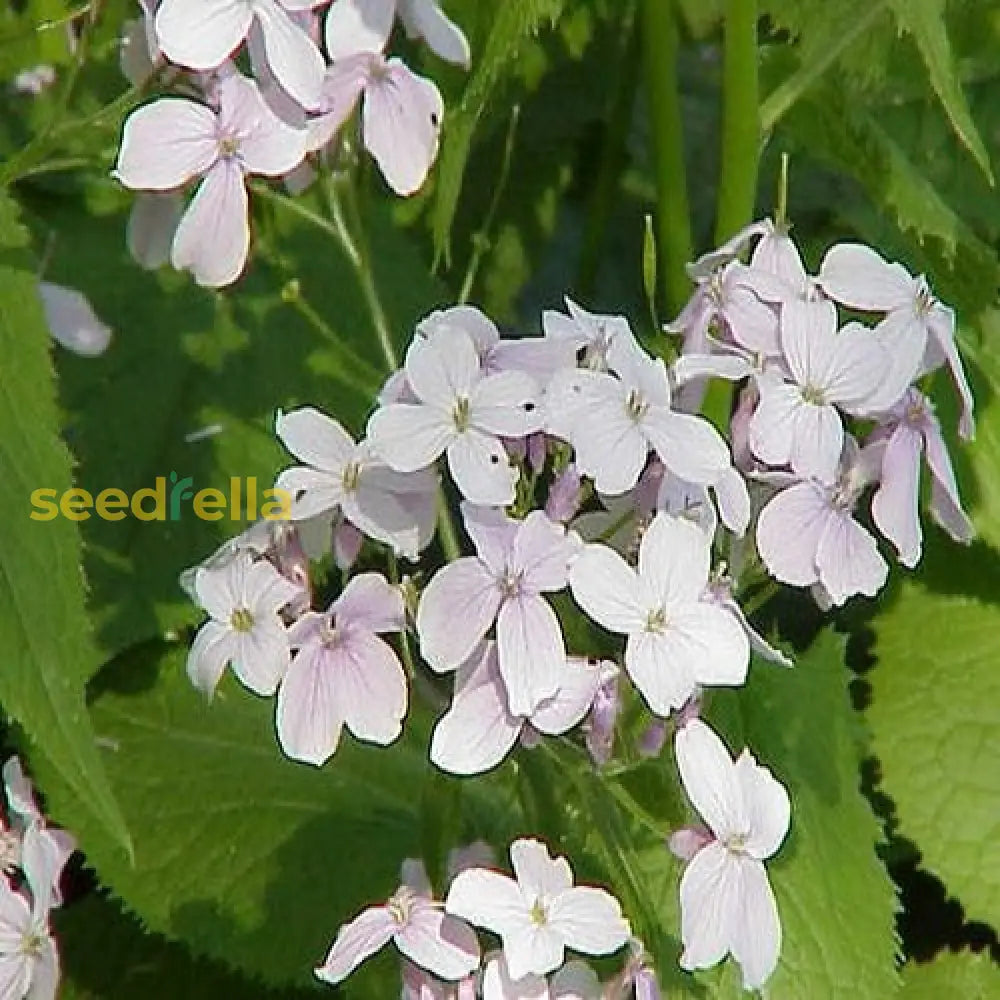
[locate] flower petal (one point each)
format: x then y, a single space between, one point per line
371 687
354 26
608 590
260 657
710 901
442 944
167 143
856 276
590 920
481 468
213 238
848 559
578 685
487 899
662 677
789 530
756 931
152 224
506 403
366 934
208 656
201 34
409 436
768 809
709 777
456 610
689 446
309 713
531 651
369 601
537 872
894 505
425 19
292 55
674 559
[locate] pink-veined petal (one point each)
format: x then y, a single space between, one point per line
709 641
478 731
856 276
267 145
342 86
590 920
752 323
443 369
663 679
481 469
401 120
167 143
371 687
315 438
260 657
492 532
789 530
941 324
409 436
152 224
608 590
710 899
425 19
309 712
710 780
537 872
771 429
487 899
674 558
733 498
366 934
903 339
354 26
456 610
210 652
531 651
506 403
292 55
817 441
756 929
859 368
689 446
766 804
371 602
808 338
542 552
945 506
848 559
895 503
578 685
201 34
213 238
777 254
442 944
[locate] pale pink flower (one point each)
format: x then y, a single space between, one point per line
354 26
675 639
727 906
339 475
539 913
203 34
479 729
243 597
612 422
565 494
918 331
910 430
460 412
173 140
797 421
426 935
400 116
516 563
72 321
807 534
344 674
599 728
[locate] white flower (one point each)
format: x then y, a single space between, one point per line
726 901
677 640
243 598
539 913
338 474
460 412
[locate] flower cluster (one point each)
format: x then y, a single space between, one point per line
32 855
586 478
313 62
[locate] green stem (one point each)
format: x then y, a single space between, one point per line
659 59
481 240
740 121
618 123
447 533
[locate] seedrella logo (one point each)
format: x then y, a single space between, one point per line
163 502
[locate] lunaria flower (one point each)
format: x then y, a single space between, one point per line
516 562
243 597
400 115
344 674
807 533
539 913
676 639
479 730
727 905
173 140
391 507
434 940
918 332
460 412
354 26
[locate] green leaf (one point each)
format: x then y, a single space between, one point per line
44 631
925 21
935 686
107 953
514 23
965 976
246 856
